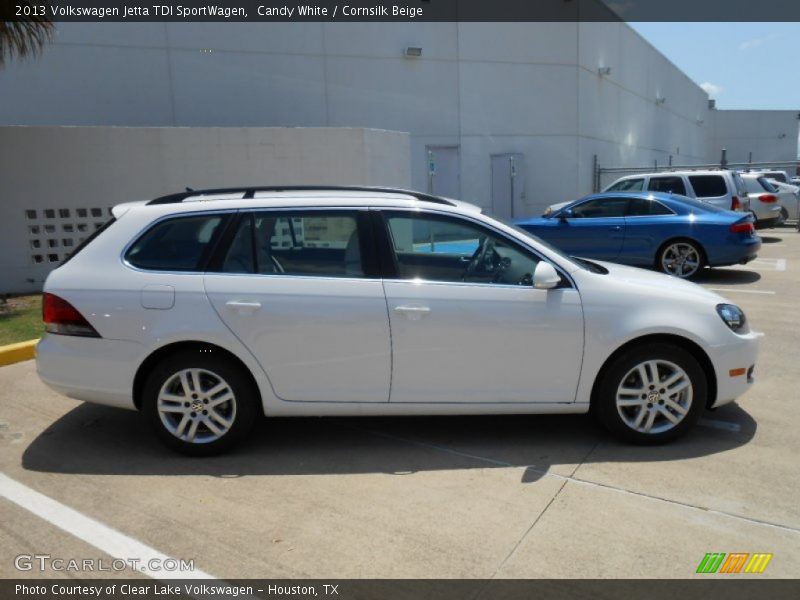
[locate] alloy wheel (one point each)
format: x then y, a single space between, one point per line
654 396
196 406
680 259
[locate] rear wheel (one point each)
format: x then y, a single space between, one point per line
651 394
199 404
680 258
784 216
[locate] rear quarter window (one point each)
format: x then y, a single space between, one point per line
176 244
708 186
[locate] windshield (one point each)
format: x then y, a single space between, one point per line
570 259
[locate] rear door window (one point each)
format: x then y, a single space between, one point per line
306 243
176 244
670 185
708 186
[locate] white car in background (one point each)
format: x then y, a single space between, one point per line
721 187
206 309
766 201
788 199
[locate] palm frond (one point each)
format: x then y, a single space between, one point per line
22 38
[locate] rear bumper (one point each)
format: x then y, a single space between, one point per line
729 360
89 369
739 252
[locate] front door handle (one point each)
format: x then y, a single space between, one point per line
413 312
243 306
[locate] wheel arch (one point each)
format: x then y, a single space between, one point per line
666 338
149 363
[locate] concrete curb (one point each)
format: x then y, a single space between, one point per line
14 353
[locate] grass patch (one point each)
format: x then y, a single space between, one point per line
21 319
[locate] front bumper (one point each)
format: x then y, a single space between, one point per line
90 369
734 365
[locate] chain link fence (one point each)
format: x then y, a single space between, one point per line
605 176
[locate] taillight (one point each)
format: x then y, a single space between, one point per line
735 204
746 227
61 317
768 198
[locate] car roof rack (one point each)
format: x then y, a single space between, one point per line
250 192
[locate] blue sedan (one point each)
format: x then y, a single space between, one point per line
675 234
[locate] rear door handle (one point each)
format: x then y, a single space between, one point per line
413 312
243 306
616 228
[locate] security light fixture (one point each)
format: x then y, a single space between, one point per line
660 99
604 71
412 52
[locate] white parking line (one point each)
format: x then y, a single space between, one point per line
102 537
731 289
724 425
763 264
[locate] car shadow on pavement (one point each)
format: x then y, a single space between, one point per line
766 239
98 440
723 276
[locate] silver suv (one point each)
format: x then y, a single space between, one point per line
720 187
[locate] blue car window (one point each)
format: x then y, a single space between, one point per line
600 208
641 207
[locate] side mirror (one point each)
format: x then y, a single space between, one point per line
545 276
565 214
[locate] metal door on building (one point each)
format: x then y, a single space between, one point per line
444 171
508 184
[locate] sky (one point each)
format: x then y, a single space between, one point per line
740 65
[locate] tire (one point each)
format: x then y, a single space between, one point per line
206 422
784 216
680 258
619 403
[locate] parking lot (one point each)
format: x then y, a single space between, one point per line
463 497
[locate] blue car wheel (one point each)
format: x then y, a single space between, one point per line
680 258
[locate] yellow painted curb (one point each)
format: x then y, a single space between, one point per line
14 353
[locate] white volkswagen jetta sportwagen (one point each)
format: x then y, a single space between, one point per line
206 309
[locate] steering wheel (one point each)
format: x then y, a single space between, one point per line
477 257
484 255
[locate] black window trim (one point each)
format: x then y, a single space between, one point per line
387 252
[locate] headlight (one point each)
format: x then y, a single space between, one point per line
733 317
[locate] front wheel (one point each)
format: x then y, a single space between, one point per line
680 258
198 403
651 394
